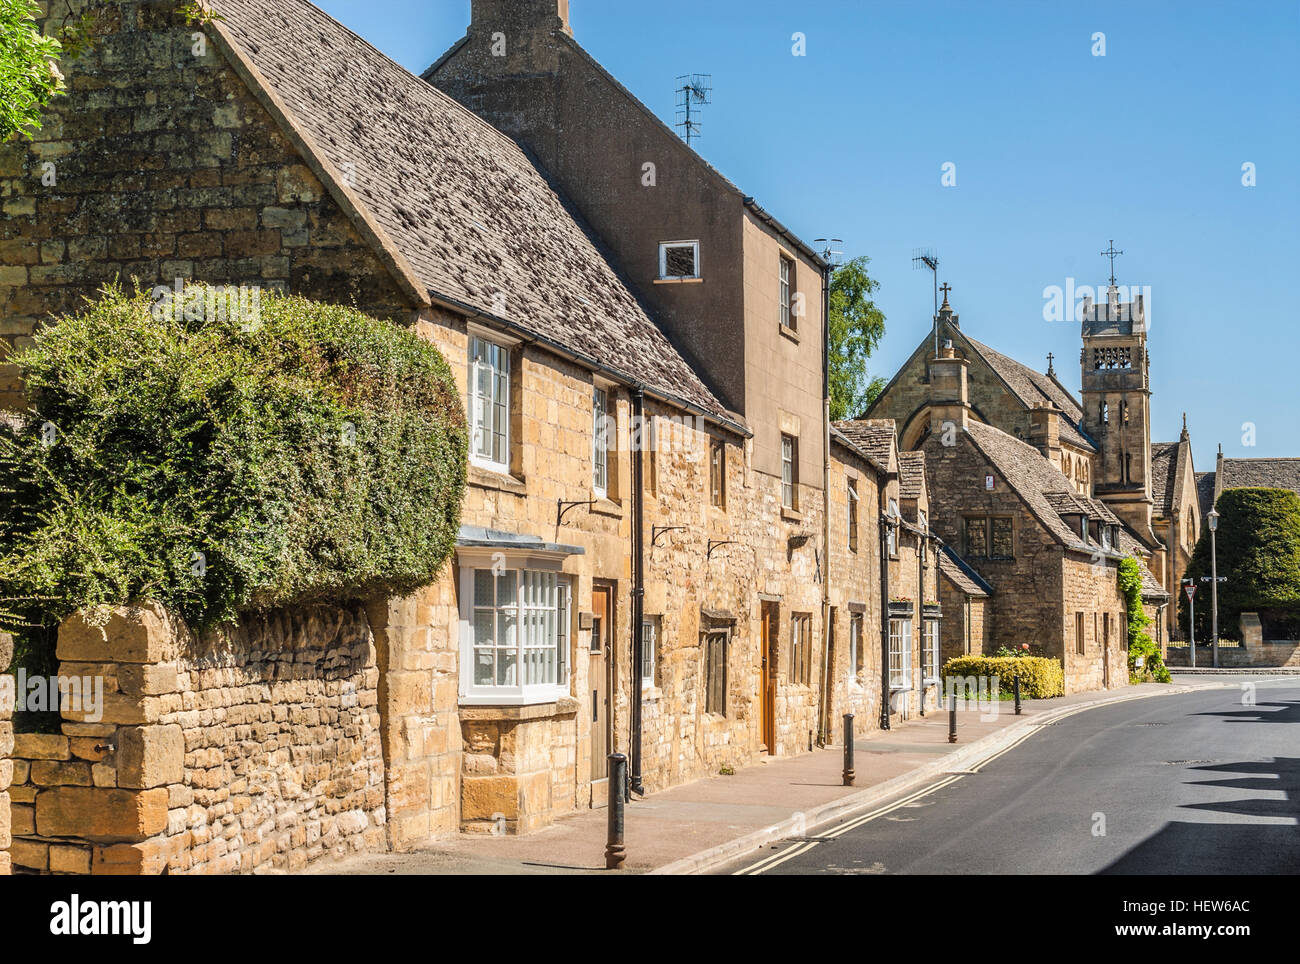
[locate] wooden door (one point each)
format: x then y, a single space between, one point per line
767 677
601 666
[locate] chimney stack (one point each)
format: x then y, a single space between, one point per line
512 17
1045 430
949 401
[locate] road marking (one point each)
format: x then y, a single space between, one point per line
768 862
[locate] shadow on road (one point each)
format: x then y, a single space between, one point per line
1229 848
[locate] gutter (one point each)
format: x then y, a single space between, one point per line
612 374
786 234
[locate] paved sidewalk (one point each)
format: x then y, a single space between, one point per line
692 827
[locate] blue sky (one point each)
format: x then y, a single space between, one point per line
1056 151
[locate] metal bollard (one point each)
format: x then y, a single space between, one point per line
848 749
1015 685
952 718
615 852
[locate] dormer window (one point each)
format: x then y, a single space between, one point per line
1083 527
679 260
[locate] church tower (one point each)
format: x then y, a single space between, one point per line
1116 401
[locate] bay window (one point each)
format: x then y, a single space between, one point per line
514 635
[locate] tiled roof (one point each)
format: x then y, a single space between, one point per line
962 574
842 440
462 203
1033 388
1164 462
1205 491
911 474
1260 474
873 435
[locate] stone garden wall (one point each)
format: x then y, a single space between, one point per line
255 749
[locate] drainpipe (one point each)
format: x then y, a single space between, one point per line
638 585
920 603
827 629
884 605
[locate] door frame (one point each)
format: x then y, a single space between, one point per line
769 621
609 621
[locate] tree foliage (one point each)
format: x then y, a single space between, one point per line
29 74
225 456
1258 551
856 327
1140 644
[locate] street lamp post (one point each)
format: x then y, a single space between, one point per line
1213 519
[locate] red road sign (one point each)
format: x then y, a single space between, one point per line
1191 591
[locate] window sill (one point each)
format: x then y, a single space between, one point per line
791 515
650 693
604 506
789 332
485 478
521 708
679 281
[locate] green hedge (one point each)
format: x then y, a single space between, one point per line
1040 677
279 451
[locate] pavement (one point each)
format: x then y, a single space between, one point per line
1202 781
697 827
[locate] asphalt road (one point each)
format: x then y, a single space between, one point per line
1197 783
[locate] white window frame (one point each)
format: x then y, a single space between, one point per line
500 406
930 652
649 649
900 654
892 530
789 472
600 441
663 259
533 579
785 295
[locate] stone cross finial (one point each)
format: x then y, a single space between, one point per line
1050 369
1111 253
945 288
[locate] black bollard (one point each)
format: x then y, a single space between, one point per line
952 718
1015 685
615 852
848 749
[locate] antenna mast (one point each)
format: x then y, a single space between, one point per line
929 258
831 250
693 91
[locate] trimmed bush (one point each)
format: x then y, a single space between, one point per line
1258 550
1040 677
223 454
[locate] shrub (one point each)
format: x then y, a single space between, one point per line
1258 550
279 451
1040 677
1140 643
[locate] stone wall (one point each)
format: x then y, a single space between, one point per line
1093 589
160 164
6 764
245 751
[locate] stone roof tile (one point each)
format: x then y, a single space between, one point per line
476 220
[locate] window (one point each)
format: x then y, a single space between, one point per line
922 520
853 515
717 473
891 531
649 648
900 654
800 648
855 645
679 259
1105 630
788 319
600 442
715 673
1103 414
1079 646
789 472
515 635
489 386
1003 543
930 652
